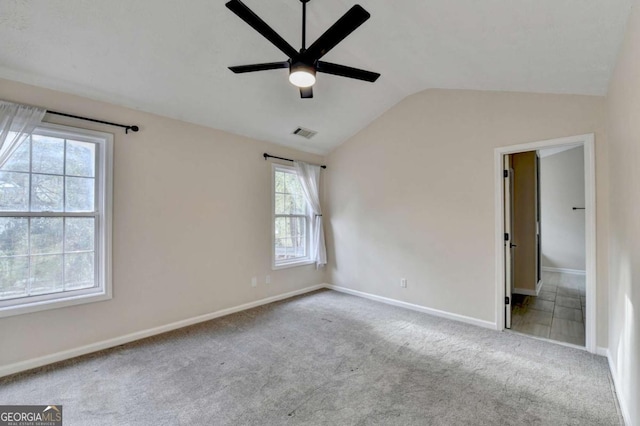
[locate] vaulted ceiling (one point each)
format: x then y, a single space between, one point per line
171 57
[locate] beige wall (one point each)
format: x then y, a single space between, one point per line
192 225
623 130
412 195
563 229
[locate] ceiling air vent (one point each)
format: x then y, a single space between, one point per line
305 133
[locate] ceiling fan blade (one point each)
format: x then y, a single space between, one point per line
247 15
259 67
306 92
344 26
344 71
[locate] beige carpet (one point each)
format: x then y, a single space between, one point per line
327 359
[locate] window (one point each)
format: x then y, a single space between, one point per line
290 219
55 201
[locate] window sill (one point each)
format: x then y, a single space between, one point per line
45 305
292 264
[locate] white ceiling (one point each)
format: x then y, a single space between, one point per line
171 57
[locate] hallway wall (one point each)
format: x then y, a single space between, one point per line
563 229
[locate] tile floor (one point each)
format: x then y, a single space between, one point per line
557 313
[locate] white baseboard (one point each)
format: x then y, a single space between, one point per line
564 270
624 409
419 308
117 341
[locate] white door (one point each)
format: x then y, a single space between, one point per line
508 234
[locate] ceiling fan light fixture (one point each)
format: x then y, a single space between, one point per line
302 75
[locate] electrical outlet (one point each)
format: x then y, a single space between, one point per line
254 282
267 279
403 282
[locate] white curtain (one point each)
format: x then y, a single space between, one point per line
309 176
16 124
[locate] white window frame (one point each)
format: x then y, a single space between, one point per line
104 205
294 262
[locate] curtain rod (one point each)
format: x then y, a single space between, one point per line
287 159
124 126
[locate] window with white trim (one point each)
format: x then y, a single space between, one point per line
55 203
290 219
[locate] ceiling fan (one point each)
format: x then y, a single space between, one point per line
304 64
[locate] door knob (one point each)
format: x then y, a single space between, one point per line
512 245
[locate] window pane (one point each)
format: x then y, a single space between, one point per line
14 191
79 234
289 196
19 160
296 204
286 248
14 277
292 184
79 195
47 155
287 184
14 236
78 271
279 184
277 252
290 238
46 193
80 159
281 250
279 207
46 274
281 227
298 232
287 204
46 235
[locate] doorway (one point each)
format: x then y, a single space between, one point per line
545 240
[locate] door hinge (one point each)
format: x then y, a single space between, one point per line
506 300
506 173
506 237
